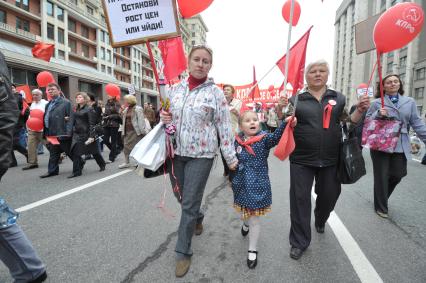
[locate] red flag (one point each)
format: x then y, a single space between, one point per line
255 93
43 51
26 89
286 145
173 56
296 65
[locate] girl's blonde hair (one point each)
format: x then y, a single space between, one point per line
130 99
241 117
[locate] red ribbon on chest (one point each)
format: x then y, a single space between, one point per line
246 144
326 116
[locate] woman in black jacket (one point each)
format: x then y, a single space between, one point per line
83 121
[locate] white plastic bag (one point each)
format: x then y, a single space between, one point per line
150 152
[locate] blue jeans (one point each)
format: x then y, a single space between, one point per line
17 253
191 177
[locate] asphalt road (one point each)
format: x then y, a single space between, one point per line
113 231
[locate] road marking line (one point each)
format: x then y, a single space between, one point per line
416 160
362 266
69 192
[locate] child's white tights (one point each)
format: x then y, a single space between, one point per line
254 225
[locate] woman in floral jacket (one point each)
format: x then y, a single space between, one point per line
200 113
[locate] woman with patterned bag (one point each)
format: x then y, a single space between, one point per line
390 157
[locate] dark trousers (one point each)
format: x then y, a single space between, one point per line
191 178
225 165
110 140
388 170
55 154
327 188
19 148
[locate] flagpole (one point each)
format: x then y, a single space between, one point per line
288 46
264 76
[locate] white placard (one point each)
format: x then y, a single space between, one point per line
135 21
362 91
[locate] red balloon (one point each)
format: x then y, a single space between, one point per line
113 90
296 12
35 124
271 88
44 78
362 85
37 113
190 8
398 26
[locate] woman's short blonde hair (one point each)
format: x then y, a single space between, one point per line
130 99
320 62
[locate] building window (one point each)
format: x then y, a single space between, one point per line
85 31
102 53
61 54
419 93
2 16
61 36
73 45
389 67
193 34
71 25
109 71
74 2
103 20
22 24
193 42
60 14
49 8
103 68
89 10
102 36
85 50
23 4
420 73
420 109
19 76
402 63
393 2
109 55
50 31
402 77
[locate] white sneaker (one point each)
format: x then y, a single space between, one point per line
124 165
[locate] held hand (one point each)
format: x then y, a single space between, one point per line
293 123
166 117
233 166
89 141
67 118
383 112
363 103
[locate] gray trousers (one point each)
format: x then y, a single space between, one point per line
191 178
18 255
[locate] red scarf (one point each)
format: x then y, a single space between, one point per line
194 82
248 142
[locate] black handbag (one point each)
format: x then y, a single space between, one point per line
351 166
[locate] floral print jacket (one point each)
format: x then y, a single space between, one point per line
201 117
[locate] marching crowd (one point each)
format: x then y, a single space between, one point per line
208 119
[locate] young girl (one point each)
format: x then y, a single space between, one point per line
250 183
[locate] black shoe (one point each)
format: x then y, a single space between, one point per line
252 263
423 162
30 166
296 253
40 279
244 232
48 175
319 228
74 175
102 168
